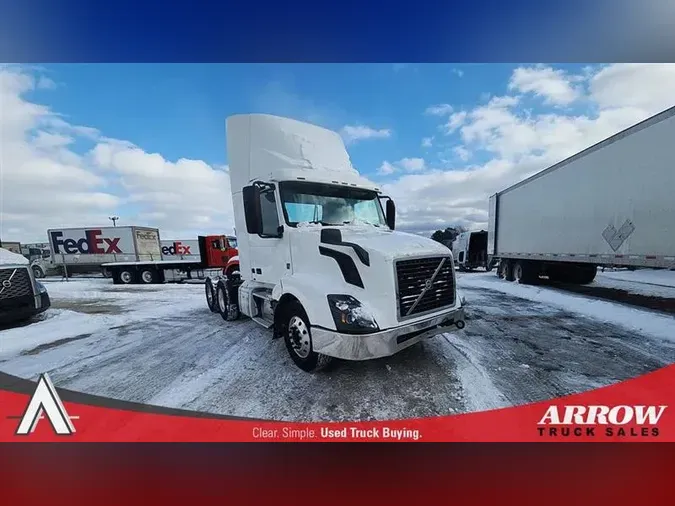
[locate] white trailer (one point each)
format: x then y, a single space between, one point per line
84 250
612 204
321 263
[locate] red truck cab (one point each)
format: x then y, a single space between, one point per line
219 251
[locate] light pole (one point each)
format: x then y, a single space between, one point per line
114 220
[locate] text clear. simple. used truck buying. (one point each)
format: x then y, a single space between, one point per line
321 263
612 204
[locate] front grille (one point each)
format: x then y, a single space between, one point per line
15 282
412 276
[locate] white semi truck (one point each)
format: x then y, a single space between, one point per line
321 263
612 204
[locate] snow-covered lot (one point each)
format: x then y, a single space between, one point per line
160 345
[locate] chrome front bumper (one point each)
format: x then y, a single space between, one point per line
383 343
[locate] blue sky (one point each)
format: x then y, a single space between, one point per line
147 142
179 110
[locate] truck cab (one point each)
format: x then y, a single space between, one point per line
320 260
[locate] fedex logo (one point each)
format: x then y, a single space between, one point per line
177 248
90 243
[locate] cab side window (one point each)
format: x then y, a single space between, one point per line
270 216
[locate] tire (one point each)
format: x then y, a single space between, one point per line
505 270
127 277
148 276
522 273
38 272
227 305
298 338
105 272
210 296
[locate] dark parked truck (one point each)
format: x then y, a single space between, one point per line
21 296
609 205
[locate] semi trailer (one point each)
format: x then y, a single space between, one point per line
86 250
322 265
216 254
609 205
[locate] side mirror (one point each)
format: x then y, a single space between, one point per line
252 211
391 214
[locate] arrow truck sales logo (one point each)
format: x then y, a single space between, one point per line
599 420
46 400
90 243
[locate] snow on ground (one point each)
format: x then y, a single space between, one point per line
649 282
647 322
86 305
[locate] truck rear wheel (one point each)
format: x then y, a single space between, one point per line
228 305
298 339
148 276
127 276
210 296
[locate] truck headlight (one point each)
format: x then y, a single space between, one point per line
349 316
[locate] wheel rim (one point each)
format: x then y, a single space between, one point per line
222 301
37 272
125 277
299 337
209 295
147 277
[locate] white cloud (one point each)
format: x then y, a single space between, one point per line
404 164
354 133
463 153
454 122
458 72
386 168
553 85
518 143
427 142
45 183
439 110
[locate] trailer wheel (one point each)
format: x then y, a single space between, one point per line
210 296
148 276
228 306
505 270
127 276
298 339
522 272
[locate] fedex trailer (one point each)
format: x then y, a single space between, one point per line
609 205
85 250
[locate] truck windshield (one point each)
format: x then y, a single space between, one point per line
329 205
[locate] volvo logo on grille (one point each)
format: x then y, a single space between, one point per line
6 283
427 284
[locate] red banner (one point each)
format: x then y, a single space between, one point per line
636 410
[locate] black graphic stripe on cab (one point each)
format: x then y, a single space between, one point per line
334 236
346 264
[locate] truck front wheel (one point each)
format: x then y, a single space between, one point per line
298 339
38 272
